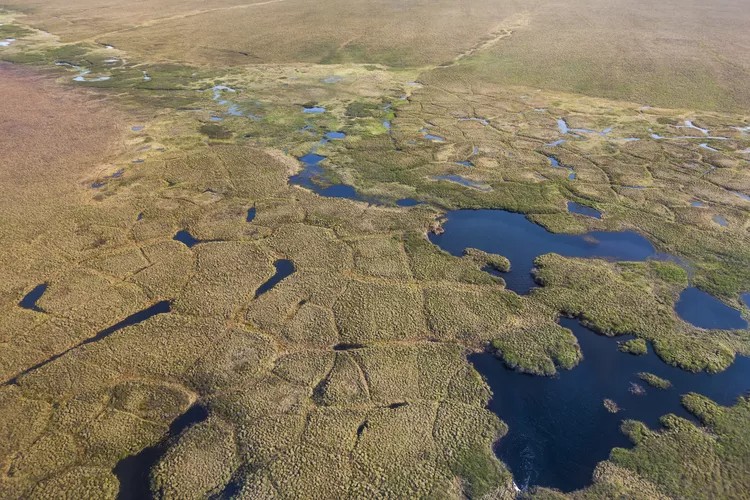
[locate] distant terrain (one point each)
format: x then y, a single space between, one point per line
483 249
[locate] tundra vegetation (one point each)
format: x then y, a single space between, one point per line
349 377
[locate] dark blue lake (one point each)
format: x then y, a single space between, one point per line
520 240
559 428
706 311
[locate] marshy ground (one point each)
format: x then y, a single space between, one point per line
241 263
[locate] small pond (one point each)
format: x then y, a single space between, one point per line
312 177
30 299
577 208
187 239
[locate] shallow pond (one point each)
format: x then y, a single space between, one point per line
705 145
690 124
555 163
332 136
314 110
483 121
332 79
431 137
559 428
312 175
720 220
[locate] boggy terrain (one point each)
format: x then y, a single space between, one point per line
190 310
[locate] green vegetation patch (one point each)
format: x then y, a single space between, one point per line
363 109
637 347
214 131
687 461
630 298
495 262
655 381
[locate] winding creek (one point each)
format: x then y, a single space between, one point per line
312 175
162 307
